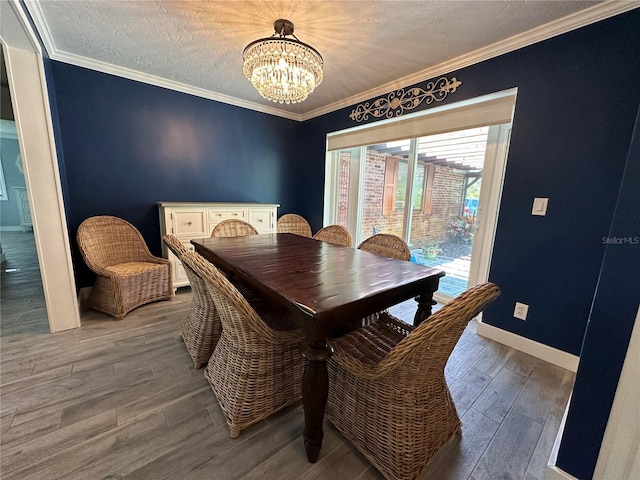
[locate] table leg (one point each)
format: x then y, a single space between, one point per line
315 389
425 302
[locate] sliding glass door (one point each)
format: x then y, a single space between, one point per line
428 190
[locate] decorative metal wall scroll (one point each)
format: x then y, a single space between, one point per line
396 103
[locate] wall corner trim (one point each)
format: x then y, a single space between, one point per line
539 350
552 472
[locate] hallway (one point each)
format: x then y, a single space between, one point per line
22 305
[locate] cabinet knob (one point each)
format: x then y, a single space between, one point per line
191 247
260 220
189 223
235 214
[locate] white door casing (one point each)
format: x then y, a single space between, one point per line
29 97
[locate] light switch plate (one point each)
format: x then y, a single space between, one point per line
539 206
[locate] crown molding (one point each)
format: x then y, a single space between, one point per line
596 13
34 10
45 34
130 74
577 20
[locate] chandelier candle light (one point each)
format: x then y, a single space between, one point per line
283 70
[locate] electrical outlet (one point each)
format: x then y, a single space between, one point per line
521 311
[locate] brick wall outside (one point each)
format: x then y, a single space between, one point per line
425 229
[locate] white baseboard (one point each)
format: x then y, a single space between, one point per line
555 473
530 347
11 228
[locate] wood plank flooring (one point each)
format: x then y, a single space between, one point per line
121 400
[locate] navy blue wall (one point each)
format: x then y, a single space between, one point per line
578 95
610 325
53 105
127 145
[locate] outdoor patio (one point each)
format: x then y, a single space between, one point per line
454 259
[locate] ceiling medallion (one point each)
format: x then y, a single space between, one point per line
396 103
283 70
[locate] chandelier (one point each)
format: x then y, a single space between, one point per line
283 70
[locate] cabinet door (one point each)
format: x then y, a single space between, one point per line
179 275
261 219
190 223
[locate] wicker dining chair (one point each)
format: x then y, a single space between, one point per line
293 223
238 228
387 245
256 368
335 234
233 228
201 329
127 274
387 391
174 244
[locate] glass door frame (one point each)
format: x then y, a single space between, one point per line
493 171
331 190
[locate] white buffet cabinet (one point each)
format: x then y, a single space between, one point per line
196 220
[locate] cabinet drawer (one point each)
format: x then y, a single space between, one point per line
216 216
190 223
261 220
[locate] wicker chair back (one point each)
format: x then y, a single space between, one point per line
334 234
293 223
387 245
233 228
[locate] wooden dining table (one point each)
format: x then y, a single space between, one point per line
328 288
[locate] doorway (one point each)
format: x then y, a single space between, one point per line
440 192
21 294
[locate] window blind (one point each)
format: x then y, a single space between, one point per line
494 109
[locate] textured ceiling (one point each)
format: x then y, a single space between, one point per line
366 45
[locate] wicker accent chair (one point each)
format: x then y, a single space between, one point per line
127 274
293 223
256 368
233 228
201 329
387 245
387 390
335 234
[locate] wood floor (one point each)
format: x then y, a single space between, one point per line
121 400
